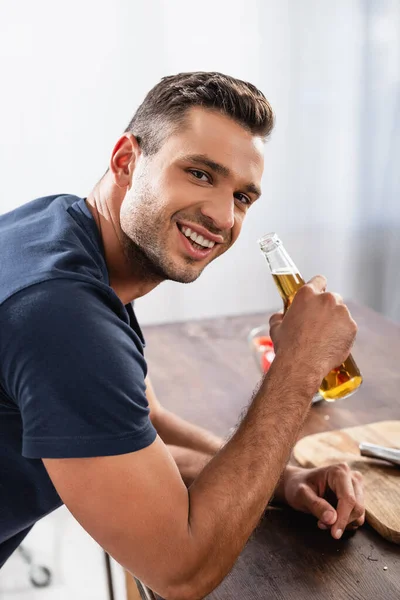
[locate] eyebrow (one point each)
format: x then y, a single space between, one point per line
205 161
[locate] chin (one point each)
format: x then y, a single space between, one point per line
184 276
187 273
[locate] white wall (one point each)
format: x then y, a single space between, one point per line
74 73
307 62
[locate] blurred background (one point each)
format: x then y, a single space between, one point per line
72 74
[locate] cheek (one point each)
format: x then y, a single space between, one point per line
167 197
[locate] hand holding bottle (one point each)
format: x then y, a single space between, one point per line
345 378
317 331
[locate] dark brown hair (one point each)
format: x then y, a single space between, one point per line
167 103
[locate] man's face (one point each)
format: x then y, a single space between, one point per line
187 202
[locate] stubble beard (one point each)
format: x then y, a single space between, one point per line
145 244
152 264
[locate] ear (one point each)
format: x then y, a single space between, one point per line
124 159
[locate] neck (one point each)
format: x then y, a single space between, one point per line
128 278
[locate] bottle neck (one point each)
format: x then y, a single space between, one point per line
284 271
279 261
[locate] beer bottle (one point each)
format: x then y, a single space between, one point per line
345 379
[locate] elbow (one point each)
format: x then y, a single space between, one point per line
184 593
196 587
192 575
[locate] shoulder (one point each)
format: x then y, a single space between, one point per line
71 361
67 312
48 238
62 299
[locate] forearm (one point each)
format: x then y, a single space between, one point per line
190 464
229 497
193 447
279 492
176 431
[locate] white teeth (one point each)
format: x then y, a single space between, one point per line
199 239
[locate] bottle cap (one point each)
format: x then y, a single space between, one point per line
269 241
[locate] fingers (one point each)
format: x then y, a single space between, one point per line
318 283
319 507
357 517
338 297
350 507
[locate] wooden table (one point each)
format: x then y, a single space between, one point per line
203 371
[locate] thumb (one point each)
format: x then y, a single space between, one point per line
320 508
274 323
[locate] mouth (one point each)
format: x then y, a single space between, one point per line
196 245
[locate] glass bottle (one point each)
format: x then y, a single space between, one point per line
345 379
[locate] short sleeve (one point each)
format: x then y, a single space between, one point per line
75 368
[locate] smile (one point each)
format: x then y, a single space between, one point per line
194 244
196 239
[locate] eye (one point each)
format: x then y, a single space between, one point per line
200 175
243 199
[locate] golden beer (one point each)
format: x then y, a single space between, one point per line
345 379
288 284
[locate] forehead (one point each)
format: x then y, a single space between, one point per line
219 137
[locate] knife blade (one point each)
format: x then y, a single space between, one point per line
374 451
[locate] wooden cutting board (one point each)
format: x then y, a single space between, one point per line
381 479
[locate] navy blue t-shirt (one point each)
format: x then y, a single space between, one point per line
72 367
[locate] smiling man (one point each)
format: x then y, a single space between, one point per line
79 421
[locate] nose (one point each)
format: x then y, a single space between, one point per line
221 211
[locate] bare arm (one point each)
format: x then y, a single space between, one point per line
191 447
183 542
302 489
176 431
190 462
